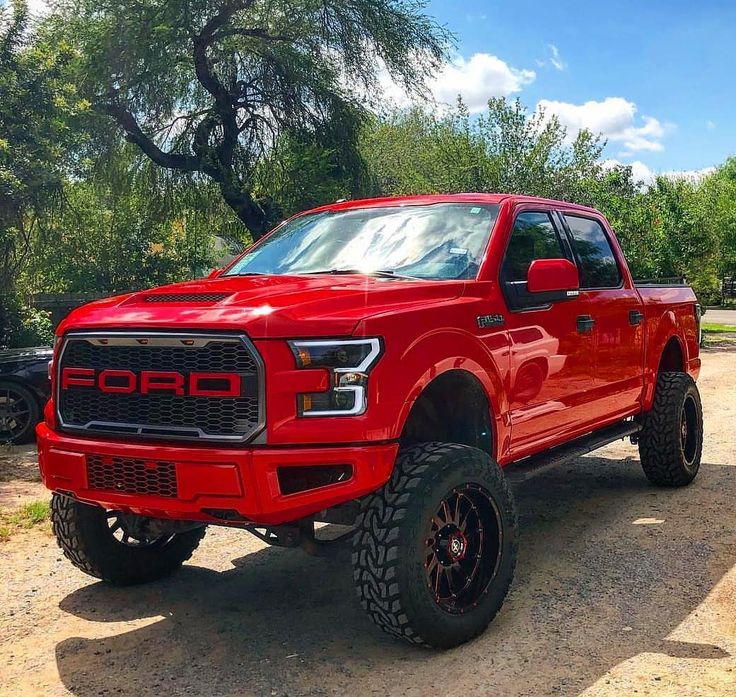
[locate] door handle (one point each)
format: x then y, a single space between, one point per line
585 324
635 317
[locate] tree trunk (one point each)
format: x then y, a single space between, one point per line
249 212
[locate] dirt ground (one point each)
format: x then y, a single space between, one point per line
621 589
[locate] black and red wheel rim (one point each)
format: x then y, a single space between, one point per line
15 414
463 548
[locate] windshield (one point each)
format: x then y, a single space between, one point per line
438 241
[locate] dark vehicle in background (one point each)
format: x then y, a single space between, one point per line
24 389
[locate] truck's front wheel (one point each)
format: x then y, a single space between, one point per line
435 549
671 439
118 548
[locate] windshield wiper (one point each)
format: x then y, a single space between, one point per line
381 273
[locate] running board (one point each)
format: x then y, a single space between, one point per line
525 469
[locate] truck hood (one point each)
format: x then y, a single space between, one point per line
262 306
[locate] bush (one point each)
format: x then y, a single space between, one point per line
23 325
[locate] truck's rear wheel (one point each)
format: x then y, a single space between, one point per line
671 439
111 546
435 549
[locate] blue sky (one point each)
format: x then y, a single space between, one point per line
658 77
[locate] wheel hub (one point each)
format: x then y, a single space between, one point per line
450 545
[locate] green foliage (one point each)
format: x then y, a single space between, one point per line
299 174
686 242
127 225
211 86
37 104
22 325
719 213
504 150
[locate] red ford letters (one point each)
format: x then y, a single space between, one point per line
147 381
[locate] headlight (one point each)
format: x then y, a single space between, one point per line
349 363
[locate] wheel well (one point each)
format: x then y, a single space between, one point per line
672 360
453 408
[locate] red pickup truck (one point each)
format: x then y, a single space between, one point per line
385 364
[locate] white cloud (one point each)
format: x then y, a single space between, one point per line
38 7
614 118
478 79
475 79
555 58
644 174
639 171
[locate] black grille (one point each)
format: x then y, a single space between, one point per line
127 476
186 297
163 412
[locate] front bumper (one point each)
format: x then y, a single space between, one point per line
242 481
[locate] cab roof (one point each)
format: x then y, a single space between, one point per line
512 199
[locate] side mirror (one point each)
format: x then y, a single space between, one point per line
552 276
214 273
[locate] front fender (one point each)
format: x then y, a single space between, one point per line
440 351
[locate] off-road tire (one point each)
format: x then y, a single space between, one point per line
665 459
83 534
389 547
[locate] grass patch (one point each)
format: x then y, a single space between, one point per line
718 328
27 517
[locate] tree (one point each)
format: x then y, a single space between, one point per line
505 149
298 173
209 86
125 224
719 201
37 106
632 215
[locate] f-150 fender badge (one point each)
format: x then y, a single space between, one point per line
485 321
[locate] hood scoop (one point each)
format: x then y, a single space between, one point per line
185 297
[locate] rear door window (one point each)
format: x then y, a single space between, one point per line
597 262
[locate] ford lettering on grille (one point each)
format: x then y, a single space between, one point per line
191 386
149 381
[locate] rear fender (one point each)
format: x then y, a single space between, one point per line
666 329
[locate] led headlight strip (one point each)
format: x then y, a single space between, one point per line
349 362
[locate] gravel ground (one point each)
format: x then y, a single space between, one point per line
621 589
